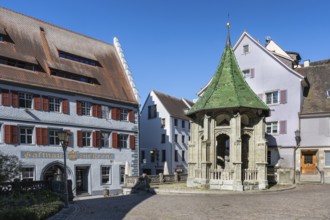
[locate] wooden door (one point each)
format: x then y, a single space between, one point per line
308 163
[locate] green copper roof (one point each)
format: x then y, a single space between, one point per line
228 89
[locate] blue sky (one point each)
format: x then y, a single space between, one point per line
174 46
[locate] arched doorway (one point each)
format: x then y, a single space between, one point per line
223 151
54 172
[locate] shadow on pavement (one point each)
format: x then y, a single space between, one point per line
109 207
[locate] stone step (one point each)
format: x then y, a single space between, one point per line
310 178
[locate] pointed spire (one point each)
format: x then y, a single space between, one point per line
228 43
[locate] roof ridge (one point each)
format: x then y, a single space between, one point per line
55 26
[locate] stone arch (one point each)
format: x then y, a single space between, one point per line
222 151
222 120
54 171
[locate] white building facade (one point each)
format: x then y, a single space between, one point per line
164 134
269 72
63 81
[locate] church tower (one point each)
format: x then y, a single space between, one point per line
227 148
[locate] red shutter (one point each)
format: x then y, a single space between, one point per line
79 138
96 138
94 110
99 111
113 113
282 127
70 142
65 106
5 97
114 140
37 102
79 108
44 136
252 73
39 136
45 103
283 96
132 142
14 99
8 134
14 134
131 116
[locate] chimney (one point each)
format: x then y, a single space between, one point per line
306 63
268 39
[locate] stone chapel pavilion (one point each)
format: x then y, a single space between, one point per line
228 149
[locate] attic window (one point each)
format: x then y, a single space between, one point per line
5 38
78 59
20 64
246 49
74 76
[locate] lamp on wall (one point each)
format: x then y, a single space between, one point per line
64 139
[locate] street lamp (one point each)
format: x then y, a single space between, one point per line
64 139
298 139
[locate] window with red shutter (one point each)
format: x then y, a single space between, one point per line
14 134
65 106
94 110
45 103
131 116
132 142
14 99
114 140
96 138
99 111
79 138
5 97
114 114
79 110
37 102
8 134
44 136
39 136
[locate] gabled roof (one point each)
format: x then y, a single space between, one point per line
174 106
245 34
277 50
318 75
39 43
227 89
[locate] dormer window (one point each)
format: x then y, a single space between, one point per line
5 38
1 38
78 59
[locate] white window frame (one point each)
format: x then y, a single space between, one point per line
271 95
54 104
121 174
26 135
53 134
246 73
29 177
123 141
105 111
326 159
86 138
106 173
271 125
124 115
86 108
27 98
105 139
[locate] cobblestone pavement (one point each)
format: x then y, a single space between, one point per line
302 202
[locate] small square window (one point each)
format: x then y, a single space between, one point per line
175 122
272 127
272 98
246 49
246 73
